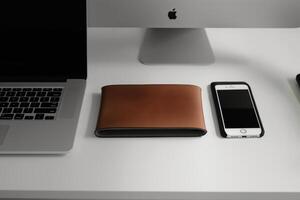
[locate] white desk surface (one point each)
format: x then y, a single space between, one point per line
208 167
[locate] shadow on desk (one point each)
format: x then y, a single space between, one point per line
295 88
93 114
116 47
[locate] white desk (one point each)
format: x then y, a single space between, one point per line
210 167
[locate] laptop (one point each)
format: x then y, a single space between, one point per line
43 64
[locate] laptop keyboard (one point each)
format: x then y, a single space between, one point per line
29 103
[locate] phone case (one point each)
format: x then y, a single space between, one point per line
218 109
298 79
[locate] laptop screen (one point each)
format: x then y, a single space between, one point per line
42 39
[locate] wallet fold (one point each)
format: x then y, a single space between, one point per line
151 111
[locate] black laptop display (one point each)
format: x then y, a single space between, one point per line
42 40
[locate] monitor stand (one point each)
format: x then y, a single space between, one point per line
176 46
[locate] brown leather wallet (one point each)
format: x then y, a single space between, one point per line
151 111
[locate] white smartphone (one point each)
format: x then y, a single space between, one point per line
237 113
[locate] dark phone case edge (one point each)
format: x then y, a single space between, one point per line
298 79
218 111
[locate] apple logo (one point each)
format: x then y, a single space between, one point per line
172 14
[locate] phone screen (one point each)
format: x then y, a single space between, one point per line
237 109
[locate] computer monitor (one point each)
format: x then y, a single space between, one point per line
175 28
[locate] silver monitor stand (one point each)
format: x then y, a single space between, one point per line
176 46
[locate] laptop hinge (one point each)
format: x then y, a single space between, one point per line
33 79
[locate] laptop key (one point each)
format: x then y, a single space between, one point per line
54 94
41 94
37 89
35 105
28 117
3 99
7 110
54 99
28 110
2 94
47 89
49 117
17 110
45 110
24 99
16 89
57 89
19 116
39 116
13 99
24 105
14 105
27 89
6 89
30 94
34 99
7 116
49 105
44 99
4 105
20 94
10 94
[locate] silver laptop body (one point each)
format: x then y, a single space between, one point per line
44 67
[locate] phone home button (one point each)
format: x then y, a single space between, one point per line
243 131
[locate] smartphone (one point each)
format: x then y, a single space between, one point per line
236 110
